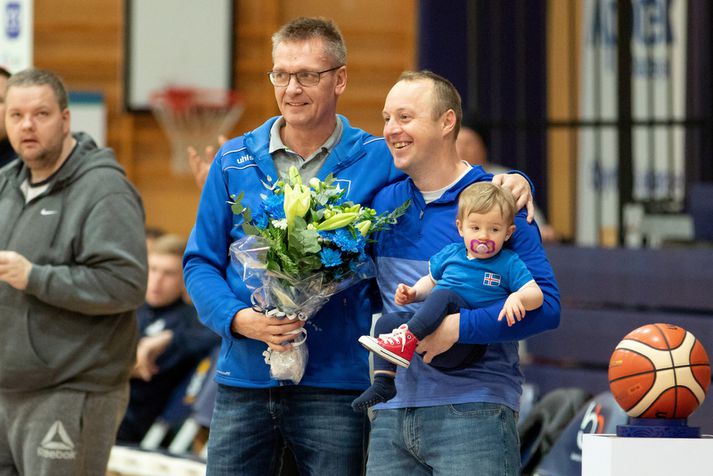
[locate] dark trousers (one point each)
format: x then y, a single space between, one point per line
438 304
251 427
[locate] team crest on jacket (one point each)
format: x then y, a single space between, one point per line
343 184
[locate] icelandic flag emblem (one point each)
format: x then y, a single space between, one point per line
491 279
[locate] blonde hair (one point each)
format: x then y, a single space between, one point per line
169 244
481 197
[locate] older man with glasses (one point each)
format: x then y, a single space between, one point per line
256 416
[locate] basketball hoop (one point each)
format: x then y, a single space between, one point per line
194 117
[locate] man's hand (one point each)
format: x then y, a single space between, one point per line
148 351
441 339
404 295
276 333
520 188
200 165
15 269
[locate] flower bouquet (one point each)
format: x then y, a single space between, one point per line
302 245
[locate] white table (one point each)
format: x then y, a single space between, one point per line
610 455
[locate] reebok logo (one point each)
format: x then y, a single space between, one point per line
44 212
56 444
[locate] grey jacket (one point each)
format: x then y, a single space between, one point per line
74 326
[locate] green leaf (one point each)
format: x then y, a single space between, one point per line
383 221
286 263
237 208
309 263
302 240
247 216
250 229
307 241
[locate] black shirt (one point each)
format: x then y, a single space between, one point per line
7 153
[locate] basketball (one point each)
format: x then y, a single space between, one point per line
659 371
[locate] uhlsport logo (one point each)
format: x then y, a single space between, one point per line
244 158
56 444
239 162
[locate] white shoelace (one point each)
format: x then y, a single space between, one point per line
397 336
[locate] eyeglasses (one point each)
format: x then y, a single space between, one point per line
305 78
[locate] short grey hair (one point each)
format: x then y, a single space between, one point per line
308 28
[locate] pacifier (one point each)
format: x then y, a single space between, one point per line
482 247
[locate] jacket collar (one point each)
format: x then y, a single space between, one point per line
348 150
475 174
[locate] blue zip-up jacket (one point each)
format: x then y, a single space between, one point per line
363 165
402 255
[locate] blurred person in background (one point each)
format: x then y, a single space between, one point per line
172 341
152 234
7 153
472 145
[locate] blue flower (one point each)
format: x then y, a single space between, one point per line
346 241
360 243
274 206
260 220
327 235
330 258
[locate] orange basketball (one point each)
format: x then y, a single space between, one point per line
659 371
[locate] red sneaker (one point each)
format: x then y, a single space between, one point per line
397 347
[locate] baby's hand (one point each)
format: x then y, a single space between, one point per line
512 309
404 295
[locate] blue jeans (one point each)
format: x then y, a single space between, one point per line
250 428
477 439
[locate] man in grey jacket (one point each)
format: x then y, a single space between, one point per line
72 272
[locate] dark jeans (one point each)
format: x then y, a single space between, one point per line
438 304
477 439
251 427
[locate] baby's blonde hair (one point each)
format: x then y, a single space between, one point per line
481 197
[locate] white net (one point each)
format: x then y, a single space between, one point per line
194 117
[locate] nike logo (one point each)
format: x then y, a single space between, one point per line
44 212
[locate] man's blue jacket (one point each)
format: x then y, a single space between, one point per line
363 165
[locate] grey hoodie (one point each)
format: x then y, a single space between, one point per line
74 325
